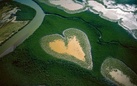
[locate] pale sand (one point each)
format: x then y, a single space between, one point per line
73 48
125 7
5 17
67 4
116 12
121 78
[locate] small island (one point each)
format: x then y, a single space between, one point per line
73 46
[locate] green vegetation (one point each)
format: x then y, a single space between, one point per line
109 40
26 13
8 27
110 64
30 65
68 33
9 30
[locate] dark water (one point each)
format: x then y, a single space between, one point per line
130 2
80 0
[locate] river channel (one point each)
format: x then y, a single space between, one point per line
28 30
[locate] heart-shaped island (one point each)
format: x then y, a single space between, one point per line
73 46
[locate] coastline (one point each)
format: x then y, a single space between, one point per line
120 20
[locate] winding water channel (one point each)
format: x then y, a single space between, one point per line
28 30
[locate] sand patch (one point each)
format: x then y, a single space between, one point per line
118 76
67 4
117 72
73 48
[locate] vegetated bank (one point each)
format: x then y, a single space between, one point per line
29 64
109 34
12 19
